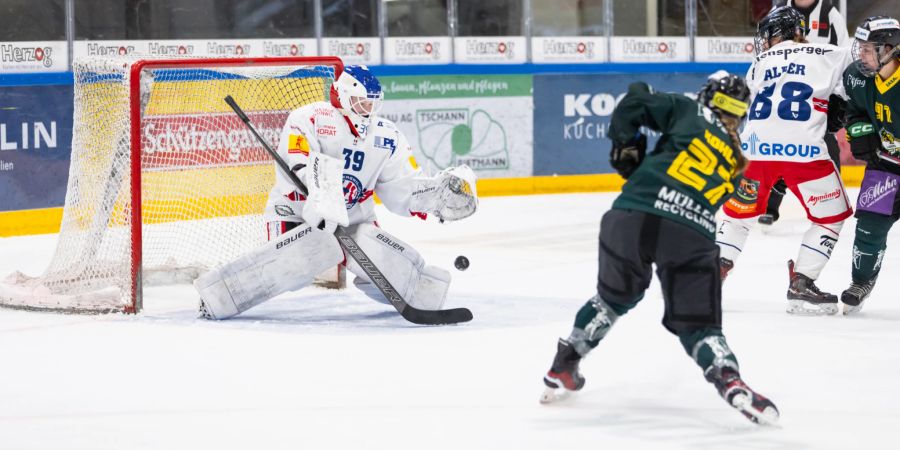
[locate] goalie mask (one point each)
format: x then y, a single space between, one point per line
725 93
876 43
357 93
782 23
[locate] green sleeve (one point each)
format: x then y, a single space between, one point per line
856 96
641 107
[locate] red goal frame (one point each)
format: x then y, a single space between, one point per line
135 140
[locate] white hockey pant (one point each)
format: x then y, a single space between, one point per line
423 287
287 263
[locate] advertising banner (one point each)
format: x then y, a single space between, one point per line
43 56
572 115
358 50
723 49
482 121
498 49
418 50
35 137
175 141
639 49
562 49
198 47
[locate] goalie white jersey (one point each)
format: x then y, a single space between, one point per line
789 88
380 161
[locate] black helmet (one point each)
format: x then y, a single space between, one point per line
725 93
782 22
880 31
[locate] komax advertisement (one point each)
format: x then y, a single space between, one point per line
572 115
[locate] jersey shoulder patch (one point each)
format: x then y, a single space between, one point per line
387 142
385 123
853 79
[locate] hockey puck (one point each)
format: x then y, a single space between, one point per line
461 263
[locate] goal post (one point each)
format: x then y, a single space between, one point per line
165 181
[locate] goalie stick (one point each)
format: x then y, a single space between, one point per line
414 315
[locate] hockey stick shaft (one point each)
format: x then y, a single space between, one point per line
352 247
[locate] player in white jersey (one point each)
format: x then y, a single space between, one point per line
827 26
344 153
790 82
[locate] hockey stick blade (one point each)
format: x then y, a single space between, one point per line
439 317
414 315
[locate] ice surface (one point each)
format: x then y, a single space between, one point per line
322 369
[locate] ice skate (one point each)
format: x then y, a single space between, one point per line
725 266
855 295
805 298
733 390
767 219
563 378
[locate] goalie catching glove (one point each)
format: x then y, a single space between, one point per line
450 195
626 157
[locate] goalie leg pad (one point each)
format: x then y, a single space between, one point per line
285 264
431 289
423 287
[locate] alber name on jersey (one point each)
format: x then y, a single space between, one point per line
790 69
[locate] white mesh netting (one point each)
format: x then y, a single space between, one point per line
204 177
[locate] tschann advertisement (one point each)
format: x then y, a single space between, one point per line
587 49
482 121
417 50
650 49
572 115
487 49
198 47
35 135
723 49
43 56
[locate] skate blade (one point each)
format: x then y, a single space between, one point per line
804 308
769 417
850 309
552 395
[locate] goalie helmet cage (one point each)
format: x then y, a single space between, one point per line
165 181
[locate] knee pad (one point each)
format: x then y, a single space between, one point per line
732 235
423 287
816 247
692 294
285 264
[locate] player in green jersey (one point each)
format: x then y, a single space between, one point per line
666 216
873 129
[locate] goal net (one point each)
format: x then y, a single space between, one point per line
165 180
